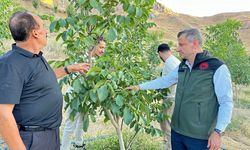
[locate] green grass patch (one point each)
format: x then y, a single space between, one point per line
110 142
235 124
243 103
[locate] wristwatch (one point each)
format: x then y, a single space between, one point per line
66 70
218 131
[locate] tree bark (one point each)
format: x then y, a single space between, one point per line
117 124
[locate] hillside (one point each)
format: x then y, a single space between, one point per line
170 23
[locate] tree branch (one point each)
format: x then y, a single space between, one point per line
131 141
110 115
116 119
122 123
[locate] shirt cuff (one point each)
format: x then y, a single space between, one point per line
221 127
141 87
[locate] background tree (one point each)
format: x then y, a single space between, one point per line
126 62
223 41
7 8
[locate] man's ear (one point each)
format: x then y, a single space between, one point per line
34 34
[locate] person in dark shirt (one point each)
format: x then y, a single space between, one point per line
30 97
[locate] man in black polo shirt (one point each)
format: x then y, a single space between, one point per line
30 97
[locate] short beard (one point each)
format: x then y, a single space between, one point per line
162 59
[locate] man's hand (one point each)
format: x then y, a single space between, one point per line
214 141
135 87
81 68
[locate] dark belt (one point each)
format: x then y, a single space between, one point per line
32 128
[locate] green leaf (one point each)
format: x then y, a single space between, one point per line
94 3
114 84
112 34
106 119
66 99
48 17
127 20
120 75
128 116
137 128
120 19
125 6
158 132
70 20
85 123
112 92
115 109
138 12
147 130
93 96
89 41
92 20
52 26
77 85
93 118
109 76
119 100
132 124
62 22
72 115
153 132
94 69
102 93
131 9
58 36
57 27
82 2
75 103
77 43
65 35
99 83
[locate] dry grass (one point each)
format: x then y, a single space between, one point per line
238 132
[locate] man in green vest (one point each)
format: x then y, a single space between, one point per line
204 99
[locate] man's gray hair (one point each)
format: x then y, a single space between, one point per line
191 34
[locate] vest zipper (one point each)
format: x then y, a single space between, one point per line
199 112
184 83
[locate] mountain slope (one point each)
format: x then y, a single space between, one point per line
171 23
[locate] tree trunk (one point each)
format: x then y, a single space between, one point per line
121 142
117 123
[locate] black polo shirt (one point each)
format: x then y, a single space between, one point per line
27 80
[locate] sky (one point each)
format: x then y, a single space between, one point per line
203 8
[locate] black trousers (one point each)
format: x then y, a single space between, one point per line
41 140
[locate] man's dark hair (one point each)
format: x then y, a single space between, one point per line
163 48
100 38
21 24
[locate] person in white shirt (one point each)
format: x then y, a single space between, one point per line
73 130
170 63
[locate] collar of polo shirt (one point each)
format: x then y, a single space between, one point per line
25 52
